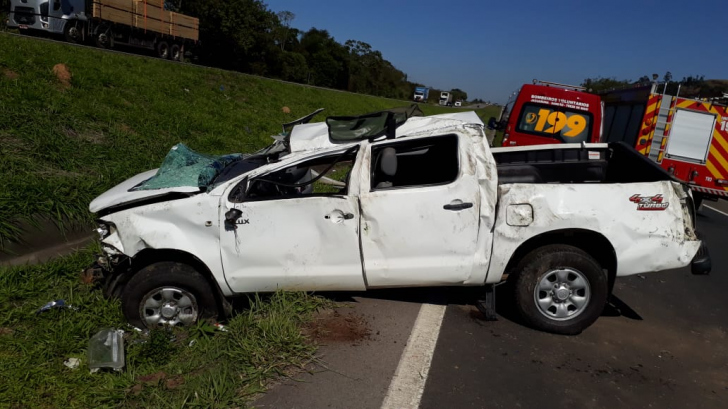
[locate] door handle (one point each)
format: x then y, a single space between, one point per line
458 206
337 216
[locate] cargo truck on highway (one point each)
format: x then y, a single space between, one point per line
138 23
393 200
421 94
445 98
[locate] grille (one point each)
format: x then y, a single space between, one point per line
24 15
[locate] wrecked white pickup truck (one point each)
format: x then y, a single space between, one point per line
393 200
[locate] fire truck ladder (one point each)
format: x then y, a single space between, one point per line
662 127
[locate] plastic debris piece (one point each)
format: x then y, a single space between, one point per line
193 342
72 363
106 350
221 327
55 304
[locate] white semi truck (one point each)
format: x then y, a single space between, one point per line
445 98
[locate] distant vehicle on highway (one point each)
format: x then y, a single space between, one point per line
445 98
106 23
458 103
421 94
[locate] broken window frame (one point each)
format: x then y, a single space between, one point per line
425 142
350 154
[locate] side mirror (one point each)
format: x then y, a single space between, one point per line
492 123
232 215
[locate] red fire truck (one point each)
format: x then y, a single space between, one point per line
687 137
548 112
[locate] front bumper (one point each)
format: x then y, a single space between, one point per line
701 263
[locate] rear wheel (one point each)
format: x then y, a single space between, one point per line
163 50
104 38
175 52
167 294
560 289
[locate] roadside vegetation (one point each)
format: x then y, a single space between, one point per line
74 122
199 366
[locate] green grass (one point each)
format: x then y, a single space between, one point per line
220 369
62 146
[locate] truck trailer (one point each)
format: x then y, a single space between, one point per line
144 24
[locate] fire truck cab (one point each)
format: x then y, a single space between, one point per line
687 137
547 113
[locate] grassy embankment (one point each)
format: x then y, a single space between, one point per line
63 143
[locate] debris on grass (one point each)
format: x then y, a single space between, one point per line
55 304
72 363
63 74
106 350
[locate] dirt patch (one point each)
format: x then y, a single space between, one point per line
286 110
6 331
333 326
10 74
127 129
152 378
95 137
10 144
63 74
174 383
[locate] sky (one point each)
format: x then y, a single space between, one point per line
490 48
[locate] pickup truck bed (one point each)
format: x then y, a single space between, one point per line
613 163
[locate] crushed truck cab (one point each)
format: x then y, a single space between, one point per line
392 199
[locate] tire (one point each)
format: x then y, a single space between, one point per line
570 303
167 294
104 39
163 50
72 32
175 52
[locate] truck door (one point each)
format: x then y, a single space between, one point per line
420 213
287 233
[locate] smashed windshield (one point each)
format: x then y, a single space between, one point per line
184 167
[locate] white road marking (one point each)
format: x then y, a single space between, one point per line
716 210
408 384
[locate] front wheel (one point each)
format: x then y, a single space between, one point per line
73 32
560 289
167 294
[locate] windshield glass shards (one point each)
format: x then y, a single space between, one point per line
184 167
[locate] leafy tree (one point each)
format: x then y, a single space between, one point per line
599 84
285 18
234 33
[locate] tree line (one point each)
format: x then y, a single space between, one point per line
692 86
244 35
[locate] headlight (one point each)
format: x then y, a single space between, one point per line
104 230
